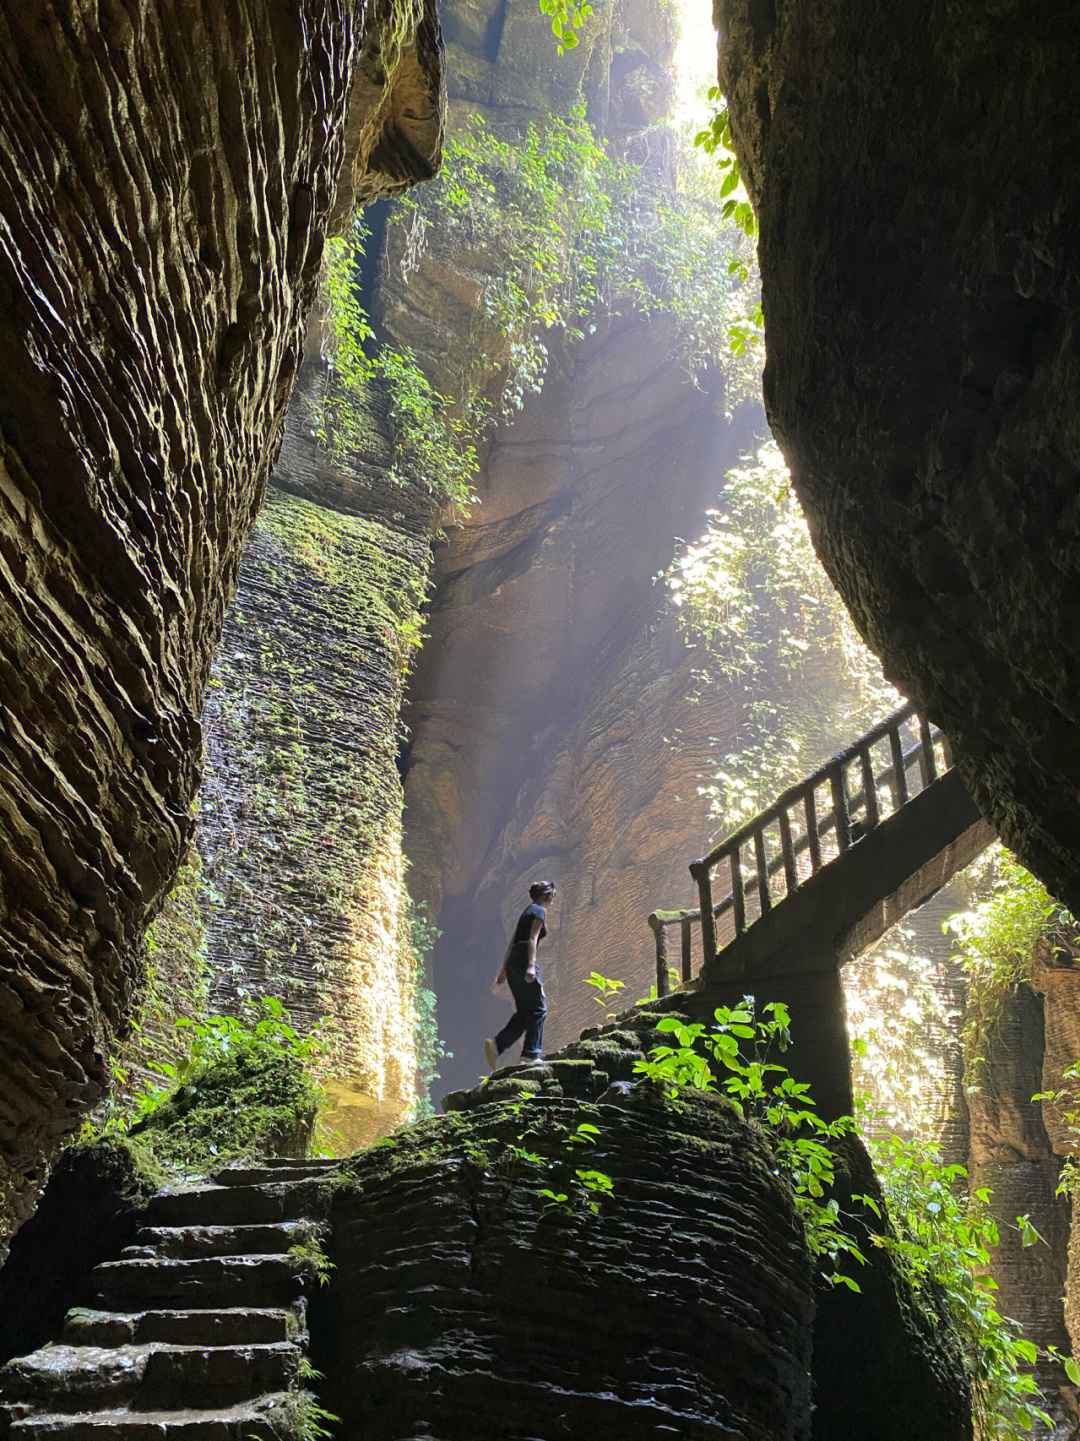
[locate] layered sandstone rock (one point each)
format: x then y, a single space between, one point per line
299 825
673 1297
554 730
164 190
1056 975
915 172
302 878
461 1303
1012 1156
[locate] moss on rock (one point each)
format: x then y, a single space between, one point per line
247 1104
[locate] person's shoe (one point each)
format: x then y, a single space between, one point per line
532 1060
491 1053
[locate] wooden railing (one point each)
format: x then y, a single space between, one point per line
811 824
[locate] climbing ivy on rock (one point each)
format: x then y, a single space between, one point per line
943 1235
300 822
994 941
435 445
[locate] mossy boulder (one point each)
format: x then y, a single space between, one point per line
251 1104
487 1283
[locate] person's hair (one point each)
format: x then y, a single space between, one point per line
541 888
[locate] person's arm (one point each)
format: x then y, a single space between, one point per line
530 969
500 979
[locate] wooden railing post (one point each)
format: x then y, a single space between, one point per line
927 759
660 932
700 872
813 835
840 807
900 790
762 870
687 957
869 788
738 895
787 850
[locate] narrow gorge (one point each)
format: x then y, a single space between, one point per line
446 448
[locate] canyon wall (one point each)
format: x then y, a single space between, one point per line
302 875
915 174
164 190
549 723
553 726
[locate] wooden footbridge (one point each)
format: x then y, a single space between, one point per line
819 876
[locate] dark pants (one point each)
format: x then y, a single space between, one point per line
528 1018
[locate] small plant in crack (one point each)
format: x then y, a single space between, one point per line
301 1418
308 1260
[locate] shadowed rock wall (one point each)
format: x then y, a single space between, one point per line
458 1306
164 189
916 174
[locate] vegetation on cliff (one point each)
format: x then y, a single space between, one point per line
995 942
243 1088
554 232
770 627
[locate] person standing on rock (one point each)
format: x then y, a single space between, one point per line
519 972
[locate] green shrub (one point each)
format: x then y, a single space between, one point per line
994 941
244 1091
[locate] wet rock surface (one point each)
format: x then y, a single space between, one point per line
195 1330
164 190
920 289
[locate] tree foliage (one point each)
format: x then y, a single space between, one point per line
433 441
753 597
557 231
994 942
943 1237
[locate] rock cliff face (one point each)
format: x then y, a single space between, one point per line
549 719
680 1299
460 1306
920 289
164 190
553 727
1012 1154
302 878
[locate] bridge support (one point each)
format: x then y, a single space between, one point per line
794 952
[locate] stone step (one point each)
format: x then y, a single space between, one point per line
183 1243
239 1205
225 1326
272 1171
213 1281
71 1379
264 1420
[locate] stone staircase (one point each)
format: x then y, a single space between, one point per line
196 1332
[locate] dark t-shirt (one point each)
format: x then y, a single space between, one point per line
531 913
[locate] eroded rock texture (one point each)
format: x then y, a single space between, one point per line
164 189
1056 975
302 878
1012 1155
460 1306
915 170
553 724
